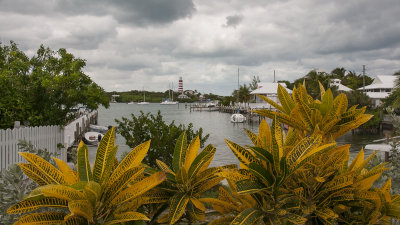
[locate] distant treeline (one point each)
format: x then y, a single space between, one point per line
138 96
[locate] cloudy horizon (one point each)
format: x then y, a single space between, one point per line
133 44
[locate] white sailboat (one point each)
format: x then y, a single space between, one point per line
144 99
238 117
169 101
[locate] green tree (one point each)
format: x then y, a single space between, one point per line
44 89
312 80
254 83
339 73
393 100
355 81
244 93
227 100
163 136
357 97
288 84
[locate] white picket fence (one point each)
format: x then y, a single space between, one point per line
44 137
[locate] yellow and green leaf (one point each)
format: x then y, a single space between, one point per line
179 152
45 168
177 207
83 165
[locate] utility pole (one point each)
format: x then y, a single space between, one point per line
274 76
364 78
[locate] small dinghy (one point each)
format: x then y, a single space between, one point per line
92 138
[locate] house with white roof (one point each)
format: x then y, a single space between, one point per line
340 87
381 87
269 90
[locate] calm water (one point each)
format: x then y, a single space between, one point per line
216 124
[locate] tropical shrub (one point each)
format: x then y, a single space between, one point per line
14 186
302 176
187 180
163 136
109 194
331 116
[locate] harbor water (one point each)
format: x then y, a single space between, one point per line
216 124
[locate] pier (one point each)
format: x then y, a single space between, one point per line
243 109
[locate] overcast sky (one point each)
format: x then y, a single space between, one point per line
135 44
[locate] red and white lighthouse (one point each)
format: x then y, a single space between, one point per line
180 88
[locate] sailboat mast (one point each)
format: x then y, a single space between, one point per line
238 88
144 95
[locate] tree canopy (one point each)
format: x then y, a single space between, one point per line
348 78
244 93
393 99
44 89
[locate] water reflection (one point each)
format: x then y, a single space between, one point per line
216 124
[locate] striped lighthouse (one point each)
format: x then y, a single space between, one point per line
180 87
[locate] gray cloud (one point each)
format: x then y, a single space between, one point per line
135 12
233 21
131 44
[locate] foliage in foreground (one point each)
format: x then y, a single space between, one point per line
188 179
297 177
330 116
14 186
109 194
163 136
303 177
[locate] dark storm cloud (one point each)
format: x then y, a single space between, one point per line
233 21
153 11
135 12
362 26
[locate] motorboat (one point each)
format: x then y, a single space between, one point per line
92 138
131 103
238 118
97 128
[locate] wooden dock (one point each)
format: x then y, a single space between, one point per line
250 116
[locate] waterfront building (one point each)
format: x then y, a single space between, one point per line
189 92
381 87
269 90
340 87
183 96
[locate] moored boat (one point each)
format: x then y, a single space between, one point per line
92 138
97 128
238 118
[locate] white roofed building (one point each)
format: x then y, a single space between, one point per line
381 87
269 90
337 83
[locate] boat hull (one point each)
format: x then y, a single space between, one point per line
92 138
168 103
238 118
